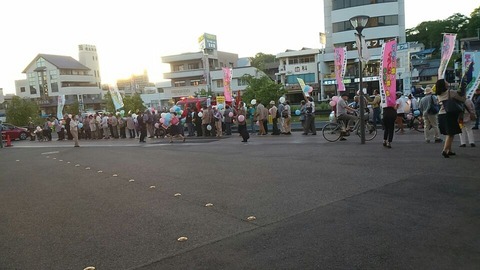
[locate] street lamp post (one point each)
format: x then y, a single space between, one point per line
359 23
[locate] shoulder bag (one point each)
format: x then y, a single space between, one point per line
452 105
434 107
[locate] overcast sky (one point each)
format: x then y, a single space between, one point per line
131 36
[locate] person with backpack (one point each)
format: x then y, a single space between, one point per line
429 107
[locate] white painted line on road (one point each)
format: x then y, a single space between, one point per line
48 153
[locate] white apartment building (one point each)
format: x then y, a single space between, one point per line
387 21
190 73
299 64
50 76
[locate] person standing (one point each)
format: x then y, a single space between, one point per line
389 118
376 107
274 113
198 122
31 129
281 120
430 120
242 122
218 118
131 126
74 130
189 122
401 110
260 116
302 116
287 115
468 117
142 126
476 102
227 116
447 121
310 117
251 117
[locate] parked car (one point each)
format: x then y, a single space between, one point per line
14 132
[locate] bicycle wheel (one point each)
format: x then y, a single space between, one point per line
418 124
332 132
370 131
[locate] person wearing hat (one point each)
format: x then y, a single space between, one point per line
430 116
273 111
342 112
401 109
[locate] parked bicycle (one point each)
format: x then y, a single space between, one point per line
335 130
412 121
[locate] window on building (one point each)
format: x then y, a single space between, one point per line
341 4
22 89
54 87
241 82
40 62
193 66
178 68
307 78
219 83
33 90
179 83
194 82
372 22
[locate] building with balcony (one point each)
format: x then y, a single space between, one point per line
50 76
387 21
298 64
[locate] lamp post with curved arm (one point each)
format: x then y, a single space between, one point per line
359 23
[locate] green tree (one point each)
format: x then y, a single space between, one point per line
19 111
133 103
262 89
73 108
472 29
109 102
260 60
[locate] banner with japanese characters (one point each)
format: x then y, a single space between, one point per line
448 45
340 62
471 70
388 77
227 80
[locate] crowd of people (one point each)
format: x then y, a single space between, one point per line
218 120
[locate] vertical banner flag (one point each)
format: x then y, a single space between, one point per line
471 60
306 89
2 98
340 66
388 73
227 79
60 104
363 53
116 98
448 45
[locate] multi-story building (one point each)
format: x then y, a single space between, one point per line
50 76
301 64
386 22
135 84
201 72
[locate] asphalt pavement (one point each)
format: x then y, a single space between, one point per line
276 202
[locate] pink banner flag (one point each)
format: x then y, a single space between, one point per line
227 79
388 74
448 45
340 66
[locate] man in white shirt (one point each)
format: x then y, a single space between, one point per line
401 107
